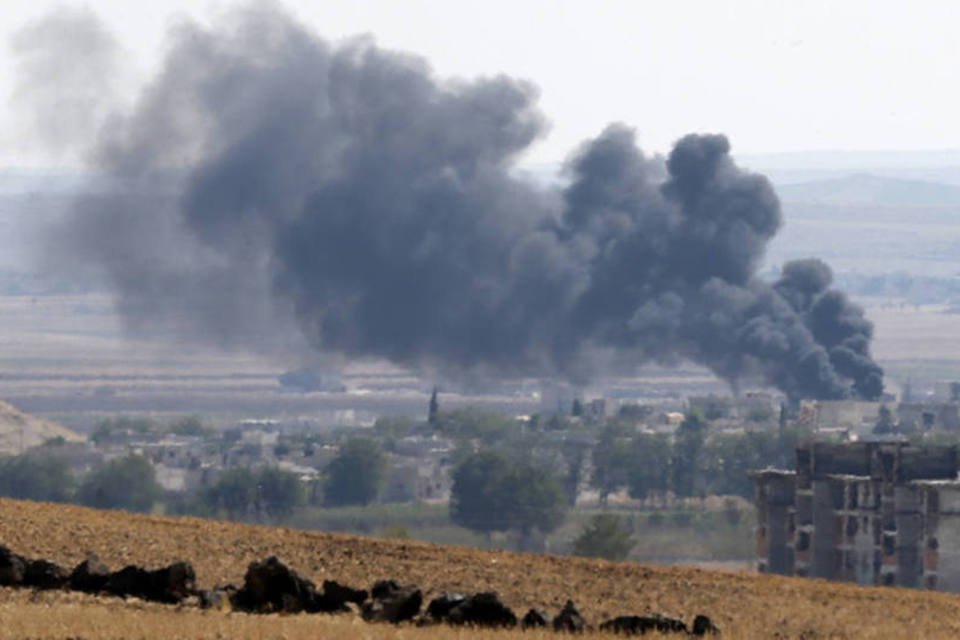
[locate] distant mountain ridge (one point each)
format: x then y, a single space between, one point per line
869 189
851 160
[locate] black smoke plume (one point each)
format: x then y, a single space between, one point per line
267 180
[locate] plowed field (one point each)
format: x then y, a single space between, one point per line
743 605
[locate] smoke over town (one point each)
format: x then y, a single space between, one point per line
268 184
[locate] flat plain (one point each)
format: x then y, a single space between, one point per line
67 358
744 605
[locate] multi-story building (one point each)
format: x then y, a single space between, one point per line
875 513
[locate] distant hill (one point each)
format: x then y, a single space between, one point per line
19 431
851 160
866 189
803 166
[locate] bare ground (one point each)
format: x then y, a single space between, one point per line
744 605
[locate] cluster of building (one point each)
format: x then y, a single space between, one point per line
874 513
417 465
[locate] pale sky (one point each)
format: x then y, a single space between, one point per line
774 76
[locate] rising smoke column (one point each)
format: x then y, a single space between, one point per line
836 323
269 190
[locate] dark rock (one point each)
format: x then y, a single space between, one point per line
43 574
670 624
90 576
169 584
535 619
569 619
638 625
440 607
702 625
129 581
12 568
270 585
335 596
173 583
392 605
483 610
383 588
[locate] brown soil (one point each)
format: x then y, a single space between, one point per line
744 605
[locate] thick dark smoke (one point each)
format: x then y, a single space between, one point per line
267 180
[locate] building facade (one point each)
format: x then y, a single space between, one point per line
874 513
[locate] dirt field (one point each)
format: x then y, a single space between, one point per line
744 605
909 333
65 357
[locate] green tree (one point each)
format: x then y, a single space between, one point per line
394 427
885 421
188 426
688 441
476 499
279 492
534 499
649 465
123 483
471 423
121 426
356 475
611 461
761 414
556 422
728 458
725 459
491 494
234 492
607 536
577 408
389 430
32 477
574 455
434 407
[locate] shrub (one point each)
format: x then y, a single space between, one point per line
124 483
607 536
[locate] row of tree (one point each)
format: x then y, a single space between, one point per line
613 455
123 483
492 493
354 477
692 462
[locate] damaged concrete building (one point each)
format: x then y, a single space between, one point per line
874 513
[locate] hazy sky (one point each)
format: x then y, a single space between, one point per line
774 76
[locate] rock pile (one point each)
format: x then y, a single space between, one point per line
270 586
391 602
481 610
169 584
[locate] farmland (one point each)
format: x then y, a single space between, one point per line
743 605
65 357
